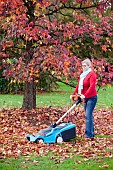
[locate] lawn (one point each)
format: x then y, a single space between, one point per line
48 163
78 154
58 98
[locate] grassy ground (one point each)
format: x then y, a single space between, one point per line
46 163
59 98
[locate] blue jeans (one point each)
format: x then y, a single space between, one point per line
89 106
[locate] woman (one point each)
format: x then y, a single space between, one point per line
86 88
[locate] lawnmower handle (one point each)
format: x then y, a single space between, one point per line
76 103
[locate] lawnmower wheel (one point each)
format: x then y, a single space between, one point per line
39 141
59 139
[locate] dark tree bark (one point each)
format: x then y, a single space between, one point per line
112 5
29 99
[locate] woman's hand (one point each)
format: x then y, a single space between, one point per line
82 96
73 97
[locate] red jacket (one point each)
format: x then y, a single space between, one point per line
89 86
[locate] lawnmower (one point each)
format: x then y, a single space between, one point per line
56 133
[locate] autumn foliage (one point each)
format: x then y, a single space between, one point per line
13 130
41 35
54 35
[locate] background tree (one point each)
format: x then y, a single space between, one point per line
50 36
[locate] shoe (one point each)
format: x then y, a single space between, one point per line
88 138
92 139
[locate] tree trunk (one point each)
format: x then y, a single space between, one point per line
29 99
112 5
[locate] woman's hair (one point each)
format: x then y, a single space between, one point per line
87 62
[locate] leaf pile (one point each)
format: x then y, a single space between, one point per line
16 123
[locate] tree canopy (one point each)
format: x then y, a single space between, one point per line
54 35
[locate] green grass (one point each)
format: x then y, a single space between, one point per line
105 97
10 101
49 162
58 98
